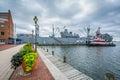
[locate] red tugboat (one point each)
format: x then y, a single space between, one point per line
98 41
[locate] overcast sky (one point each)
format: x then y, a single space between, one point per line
75 15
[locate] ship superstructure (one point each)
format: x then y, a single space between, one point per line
66 34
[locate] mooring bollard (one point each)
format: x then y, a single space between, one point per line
47 50
53 53
64 59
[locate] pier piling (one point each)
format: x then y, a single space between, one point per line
53 53
47 50
64 59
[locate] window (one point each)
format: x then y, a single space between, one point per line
21 35
2 41
4 16
2 26
2 33
1 21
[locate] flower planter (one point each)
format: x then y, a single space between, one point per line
33 67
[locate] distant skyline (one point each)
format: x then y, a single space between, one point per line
73 14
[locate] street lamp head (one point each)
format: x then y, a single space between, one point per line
35 19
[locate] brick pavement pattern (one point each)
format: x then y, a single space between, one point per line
41 73
5 64
4 47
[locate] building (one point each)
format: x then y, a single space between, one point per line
25 37
6 27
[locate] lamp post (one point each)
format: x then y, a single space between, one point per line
32 39
35 20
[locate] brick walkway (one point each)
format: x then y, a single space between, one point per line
4 47
5 64
41 73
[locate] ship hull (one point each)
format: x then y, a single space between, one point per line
101 44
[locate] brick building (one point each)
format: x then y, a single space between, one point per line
6 27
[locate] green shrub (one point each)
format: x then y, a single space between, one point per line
29 60
27 47
16 60
22 52
27 55
29 43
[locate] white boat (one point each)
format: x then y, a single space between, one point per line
98 41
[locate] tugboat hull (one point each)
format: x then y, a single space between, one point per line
101 44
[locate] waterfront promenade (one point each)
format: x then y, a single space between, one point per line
49 68
6 73
40 73
5 64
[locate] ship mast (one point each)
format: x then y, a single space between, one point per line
53 34
88 35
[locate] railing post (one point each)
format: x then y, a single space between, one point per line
53 53
47 50
64 59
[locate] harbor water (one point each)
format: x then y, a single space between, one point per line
93 61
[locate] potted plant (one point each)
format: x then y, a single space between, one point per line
18 57
27 57
30 61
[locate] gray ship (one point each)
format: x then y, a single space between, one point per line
66 38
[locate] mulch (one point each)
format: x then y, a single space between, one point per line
41 73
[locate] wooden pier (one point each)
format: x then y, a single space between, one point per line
68 72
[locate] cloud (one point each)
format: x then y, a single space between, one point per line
74 14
